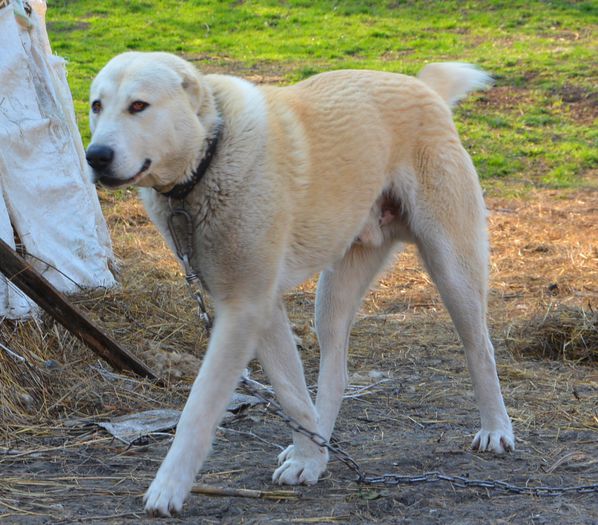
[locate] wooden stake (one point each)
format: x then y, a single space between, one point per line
28 280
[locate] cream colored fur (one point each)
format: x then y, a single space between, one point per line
329 175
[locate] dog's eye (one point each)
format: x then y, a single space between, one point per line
137 106
96 106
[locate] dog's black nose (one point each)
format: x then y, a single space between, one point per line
99 157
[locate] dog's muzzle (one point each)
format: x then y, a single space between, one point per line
100 158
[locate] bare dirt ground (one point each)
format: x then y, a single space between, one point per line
418 414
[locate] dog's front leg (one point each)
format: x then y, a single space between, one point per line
231 347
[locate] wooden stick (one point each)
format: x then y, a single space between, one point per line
28 280
210 490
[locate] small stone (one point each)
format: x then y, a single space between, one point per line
52 364
26 401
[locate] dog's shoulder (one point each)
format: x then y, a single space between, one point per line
242 104
233 90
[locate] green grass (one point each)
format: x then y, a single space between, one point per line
538 126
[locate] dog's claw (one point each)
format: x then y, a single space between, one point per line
285 454
497 441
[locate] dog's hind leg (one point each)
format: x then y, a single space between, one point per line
339 295
305 461
447 221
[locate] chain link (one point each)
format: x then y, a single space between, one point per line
253 387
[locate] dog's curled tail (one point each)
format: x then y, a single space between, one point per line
454 80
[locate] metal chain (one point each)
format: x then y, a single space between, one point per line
273 407
184 252
196 289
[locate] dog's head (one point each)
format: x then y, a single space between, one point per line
149 114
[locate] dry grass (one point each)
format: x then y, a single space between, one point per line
544 292
564 333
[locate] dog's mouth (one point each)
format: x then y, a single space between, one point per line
112 182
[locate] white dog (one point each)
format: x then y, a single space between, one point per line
327 175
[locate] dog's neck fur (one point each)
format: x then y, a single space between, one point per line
181 190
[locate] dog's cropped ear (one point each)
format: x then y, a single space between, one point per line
199 93
197 89
191 85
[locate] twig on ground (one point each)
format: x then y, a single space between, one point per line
103 518
209 490
52 449
359 391
14 355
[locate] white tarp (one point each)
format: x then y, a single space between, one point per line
45 192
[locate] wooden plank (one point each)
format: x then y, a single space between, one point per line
22 275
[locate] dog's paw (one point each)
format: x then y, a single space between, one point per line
296 469
497 441
166 495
